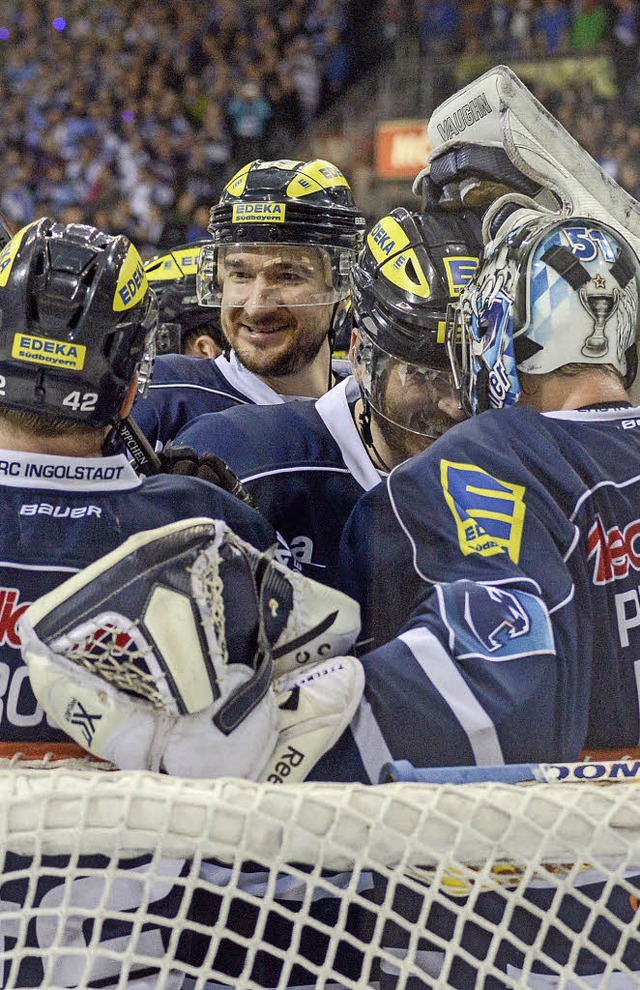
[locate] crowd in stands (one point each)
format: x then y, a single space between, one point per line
132 118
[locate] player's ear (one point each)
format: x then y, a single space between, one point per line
205 346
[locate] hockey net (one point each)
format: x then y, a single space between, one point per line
119 879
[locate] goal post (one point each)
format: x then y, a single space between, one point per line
117 879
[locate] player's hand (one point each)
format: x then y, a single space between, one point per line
469 175
160 656
209 467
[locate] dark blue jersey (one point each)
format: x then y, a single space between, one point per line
501 566
60 514
185 387
303 463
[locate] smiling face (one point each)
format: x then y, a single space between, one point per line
277 304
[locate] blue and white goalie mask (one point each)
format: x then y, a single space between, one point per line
548 293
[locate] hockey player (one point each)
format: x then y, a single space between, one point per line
77 328
306 463
516 530
284 237
184 327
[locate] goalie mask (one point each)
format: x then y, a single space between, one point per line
409 272
181 319
548 293
267 209
77 320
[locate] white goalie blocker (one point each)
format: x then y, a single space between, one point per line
508 141
187 651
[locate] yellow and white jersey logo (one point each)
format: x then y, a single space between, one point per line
488 512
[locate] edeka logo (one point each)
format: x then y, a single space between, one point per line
10 612
132 282
386 238
489 513
318 174
460 270
43 350
9 251
387 242
259 213
614 550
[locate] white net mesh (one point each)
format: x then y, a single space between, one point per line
115 879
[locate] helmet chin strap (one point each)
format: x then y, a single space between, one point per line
331 339
364 421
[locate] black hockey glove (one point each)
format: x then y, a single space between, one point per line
209 467
472 175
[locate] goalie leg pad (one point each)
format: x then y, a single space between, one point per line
497 112
316 705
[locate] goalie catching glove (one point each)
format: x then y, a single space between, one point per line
188 651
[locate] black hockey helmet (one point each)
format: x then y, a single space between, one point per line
408 275
285 202
409 271
77 320
6 231
172 277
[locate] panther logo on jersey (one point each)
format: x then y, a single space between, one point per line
489 622
498 617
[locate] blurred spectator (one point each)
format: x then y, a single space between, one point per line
301 65
248 113
553 27
499 14
287 117
589 26
521 28
473 61
438 22
625 40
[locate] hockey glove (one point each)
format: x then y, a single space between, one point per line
209 467
159 656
